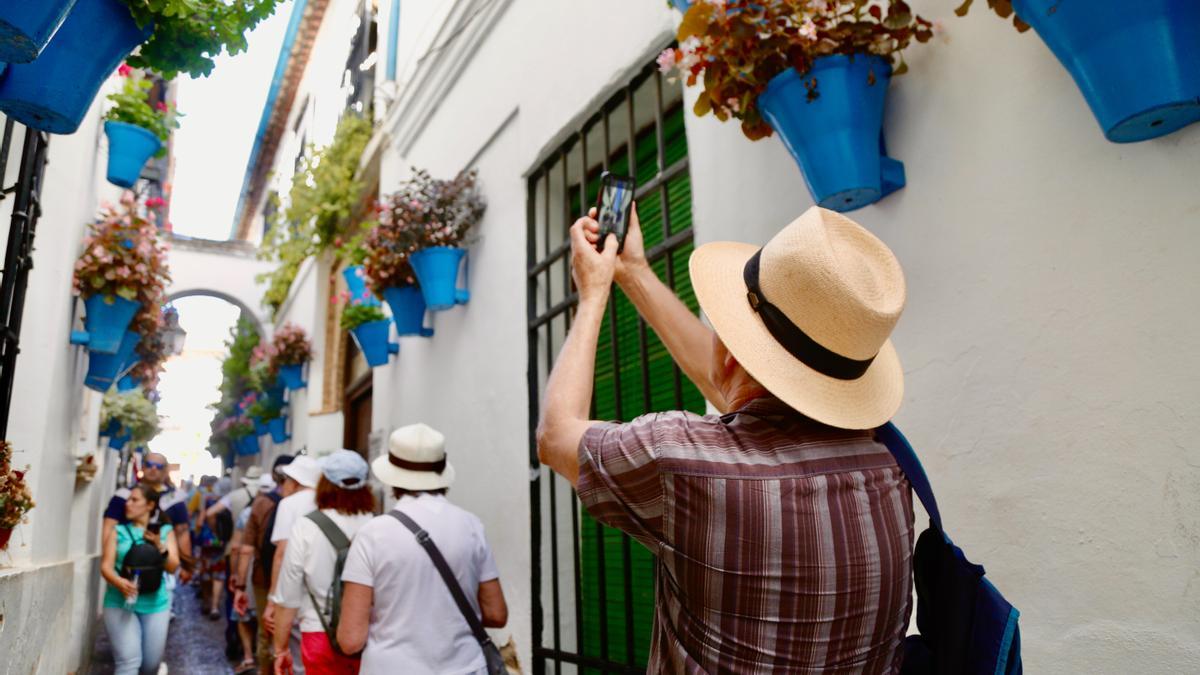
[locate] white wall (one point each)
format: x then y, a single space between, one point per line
47 577
1050 281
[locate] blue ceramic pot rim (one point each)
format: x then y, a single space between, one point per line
827 63
131 128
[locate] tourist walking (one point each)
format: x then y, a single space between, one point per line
243 614
137 601
782 529
252 575
395 603
299 500
309 577
171 501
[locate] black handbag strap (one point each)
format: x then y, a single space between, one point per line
443 569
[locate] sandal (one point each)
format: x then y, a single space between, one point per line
247 666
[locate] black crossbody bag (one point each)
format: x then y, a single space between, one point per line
491 653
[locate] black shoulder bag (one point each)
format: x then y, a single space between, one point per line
143 563
491 653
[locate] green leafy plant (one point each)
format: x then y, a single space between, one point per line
354 315
425 212
131 105
1002 8
265 408
134 412
189 34
734 48
15 498
323 198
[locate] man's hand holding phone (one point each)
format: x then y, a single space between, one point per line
632 257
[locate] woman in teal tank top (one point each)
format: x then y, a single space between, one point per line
137 621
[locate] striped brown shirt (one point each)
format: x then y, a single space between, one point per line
782 545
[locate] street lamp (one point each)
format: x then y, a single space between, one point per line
173 334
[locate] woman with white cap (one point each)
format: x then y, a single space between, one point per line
396 600
309 578
300 478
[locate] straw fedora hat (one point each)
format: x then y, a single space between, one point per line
815 330
416 460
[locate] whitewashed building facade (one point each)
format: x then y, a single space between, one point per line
1046 343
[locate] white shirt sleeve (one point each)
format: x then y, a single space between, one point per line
289 592
227 502
487 564
285 518
359 567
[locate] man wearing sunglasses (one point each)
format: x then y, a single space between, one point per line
170 501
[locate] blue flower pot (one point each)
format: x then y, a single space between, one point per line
357 285
54 92
112 429
278 427
26 27
437 274
292 376
837 139
682 5
374 343
276 394
260 427
129 148
246 445
408 310
105 369
1137 64
105 321
118 442
128 383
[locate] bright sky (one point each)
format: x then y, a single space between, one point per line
221 118
190 382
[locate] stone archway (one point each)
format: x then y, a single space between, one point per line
222 269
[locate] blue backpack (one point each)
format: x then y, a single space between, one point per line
966 626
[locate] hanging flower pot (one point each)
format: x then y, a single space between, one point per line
374 343
682 5
292 376
246 445
408 310
111 429
356 283
26 27
129 148
5 535
278 427
105 369
105 320
260 427
128 383
836 138
437 274
1137 64
54 92
118 442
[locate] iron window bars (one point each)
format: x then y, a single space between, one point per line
601 622
18 254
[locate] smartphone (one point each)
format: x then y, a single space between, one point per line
614 208
154 528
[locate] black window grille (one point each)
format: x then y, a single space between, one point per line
359 77
593 587
25 194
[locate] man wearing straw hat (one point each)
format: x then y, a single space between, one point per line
782 530
395 603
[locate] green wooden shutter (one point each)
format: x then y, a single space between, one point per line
661 377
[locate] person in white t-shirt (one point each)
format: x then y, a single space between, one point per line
394 601
299 500
305 578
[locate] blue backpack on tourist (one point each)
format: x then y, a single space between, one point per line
966 626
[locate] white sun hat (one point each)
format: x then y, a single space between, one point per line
304 470
809 316
416 460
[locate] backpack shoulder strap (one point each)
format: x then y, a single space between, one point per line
443 569
903 453
331 531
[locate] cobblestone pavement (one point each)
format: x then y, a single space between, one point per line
195 645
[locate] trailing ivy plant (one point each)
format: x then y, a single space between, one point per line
135 413
189 34
324 195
